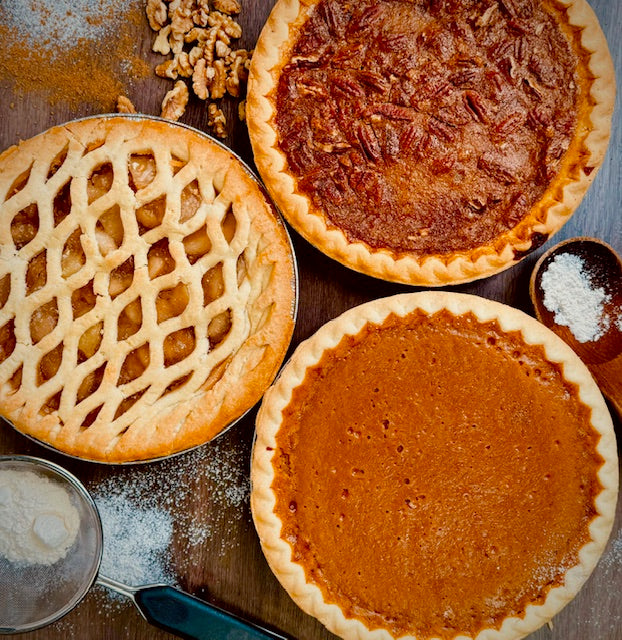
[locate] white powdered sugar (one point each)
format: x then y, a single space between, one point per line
136 541
149 511
38 522
63 22
570 295
613 555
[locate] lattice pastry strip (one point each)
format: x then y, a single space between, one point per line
146 288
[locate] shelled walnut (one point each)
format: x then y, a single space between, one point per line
198 35
175 101
125 105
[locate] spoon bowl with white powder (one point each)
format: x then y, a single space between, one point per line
576 290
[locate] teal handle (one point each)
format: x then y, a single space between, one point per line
188 617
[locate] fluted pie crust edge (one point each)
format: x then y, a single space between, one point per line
278 552
562 197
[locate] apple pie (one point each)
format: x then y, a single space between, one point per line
433 466
147 288
429 142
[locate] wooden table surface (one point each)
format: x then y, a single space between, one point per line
228 568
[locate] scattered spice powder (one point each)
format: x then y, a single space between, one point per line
74 52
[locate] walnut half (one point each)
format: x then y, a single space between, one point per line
125 105
175 101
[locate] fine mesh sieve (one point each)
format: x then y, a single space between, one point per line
35 595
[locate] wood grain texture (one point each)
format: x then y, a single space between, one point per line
229 568
609 376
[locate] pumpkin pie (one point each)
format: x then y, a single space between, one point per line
429 143
433 466
147 288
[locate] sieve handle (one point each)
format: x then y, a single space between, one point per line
194 619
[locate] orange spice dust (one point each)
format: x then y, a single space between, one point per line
90 69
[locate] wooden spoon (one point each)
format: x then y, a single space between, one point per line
603 267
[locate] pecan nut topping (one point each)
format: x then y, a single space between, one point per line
446 107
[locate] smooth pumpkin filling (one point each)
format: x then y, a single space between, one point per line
428 127
435 475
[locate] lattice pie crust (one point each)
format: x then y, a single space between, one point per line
147 288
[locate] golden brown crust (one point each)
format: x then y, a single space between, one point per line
222 375
553 209
263 500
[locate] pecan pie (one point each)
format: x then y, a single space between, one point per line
433 466
147 288
430 142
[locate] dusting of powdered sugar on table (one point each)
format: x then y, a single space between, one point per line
64 22
144 515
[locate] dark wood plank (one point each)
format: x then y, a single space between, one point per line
229 568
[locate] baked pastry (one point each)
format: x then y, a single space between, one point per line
433 465
147 288
429 143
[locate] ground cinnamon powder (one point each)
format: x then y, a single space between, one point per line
72 56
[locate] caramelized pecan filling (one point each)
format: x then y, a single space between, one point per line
435 475
428 126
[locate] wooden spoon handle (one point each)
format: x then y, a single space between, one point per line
608 376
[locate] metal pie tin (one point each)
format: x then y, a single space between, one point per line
294 284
